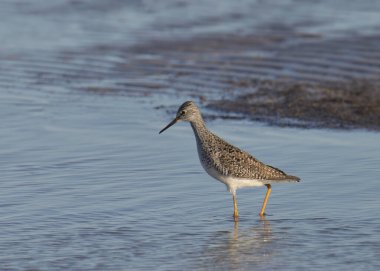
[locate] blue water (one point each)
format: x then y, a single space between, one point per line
87 183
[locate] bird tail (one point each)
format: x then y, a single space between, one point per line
284 179
292 178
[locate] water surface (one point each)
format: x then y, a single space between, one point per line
87 183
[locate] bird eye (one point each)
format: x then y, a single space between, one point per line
183 112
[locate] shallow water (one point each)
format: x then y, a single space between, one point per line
87 183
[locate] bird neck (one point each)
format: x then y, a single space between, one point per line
199 128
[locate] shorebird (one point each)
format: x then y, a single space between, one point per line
227 163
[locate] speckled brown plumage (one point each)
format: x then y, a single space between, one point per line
220 158
226 163
229 160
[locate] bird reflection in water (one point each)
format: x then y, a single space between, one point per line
239 249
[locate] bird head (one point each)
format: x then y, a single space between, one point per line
188 111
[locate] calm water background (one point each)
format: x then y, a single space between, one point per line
88 184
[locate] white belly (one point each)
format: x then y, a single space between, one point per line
233 183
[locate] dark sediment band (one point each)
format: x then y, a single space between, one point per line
353 104
288 63
310 82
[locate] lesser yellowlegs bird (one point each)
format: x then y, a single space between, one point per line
226 163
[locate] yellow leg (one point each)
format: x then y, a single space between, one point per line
236 213
265 200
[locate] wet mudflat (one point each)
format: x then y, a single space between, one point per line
341 105
87 183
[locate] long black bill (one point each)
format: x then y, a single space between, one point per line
170 124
